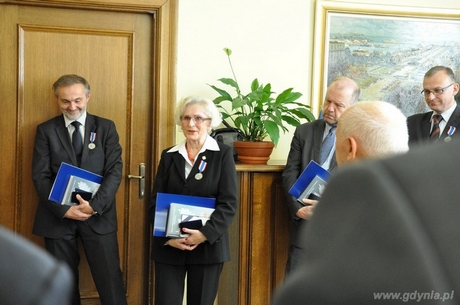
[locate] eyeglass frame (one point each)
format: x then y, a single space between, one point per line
197 119
436 92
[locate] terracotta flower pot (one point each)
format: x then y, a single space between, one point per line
254 152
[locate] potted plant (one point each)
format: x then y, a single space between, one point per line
259 113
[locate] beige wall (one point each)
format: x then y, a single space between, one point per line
271 40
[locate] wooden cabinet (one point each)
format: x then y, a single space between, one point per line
259 237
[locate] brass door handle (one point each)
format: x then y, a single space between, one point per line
141 178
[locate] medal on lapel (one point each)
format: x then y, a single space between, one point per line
201 168
92 138
450 132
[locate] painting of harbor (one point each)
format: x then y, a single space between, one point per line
388 56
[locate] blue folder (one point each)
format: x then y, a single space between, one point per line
312 170
164 200
63 176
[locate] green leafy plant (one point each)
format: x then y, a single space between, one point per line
260 113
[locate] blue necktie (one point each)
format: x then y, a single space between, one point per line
327 145
77 142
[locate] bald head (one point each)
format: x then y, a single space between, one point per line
370 130
348 85
340 94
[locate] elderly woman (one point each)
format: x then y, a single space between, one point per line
199 166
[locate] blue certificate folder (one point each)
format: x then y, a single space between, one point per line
62 179
164 200
310 172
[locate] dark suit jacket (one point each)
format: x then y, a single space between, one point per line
419 127
219 181
383 226
53 146
305 146
29 275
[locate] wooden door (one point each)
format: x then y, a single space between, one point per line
117 51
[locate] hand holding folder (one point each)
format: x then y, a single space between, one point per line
162 209
310 183
70 178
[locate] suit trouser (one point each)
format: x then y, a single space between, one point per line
102 254
202 283
296 257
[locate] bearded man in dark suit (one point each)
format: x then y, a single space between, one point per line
93 221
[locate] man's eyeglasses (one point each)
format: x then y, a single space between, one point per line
436 91
197 119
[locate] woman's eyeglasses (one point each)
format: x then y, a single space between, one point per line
197 119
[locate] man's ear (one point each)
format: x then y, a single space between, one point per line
352 149
456 89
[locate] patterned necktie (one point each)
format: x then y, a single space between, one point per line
77 142
327 145
434 135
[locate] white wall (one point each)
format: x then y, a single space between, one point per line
271 40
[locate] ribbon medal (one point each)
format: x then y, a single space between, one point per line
450 132
201 168
92 138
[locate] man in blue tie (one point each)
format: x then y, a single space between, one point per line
365 130
384 231
309 142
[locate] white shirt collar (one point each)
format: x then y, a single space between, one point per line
445 118
209 144
81 119
446 114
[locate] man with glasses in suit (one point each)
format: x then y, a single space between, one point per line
440 124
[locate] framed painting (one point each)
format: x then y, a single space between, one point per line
385 49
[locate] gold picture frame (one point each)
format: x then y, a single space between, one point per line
385 49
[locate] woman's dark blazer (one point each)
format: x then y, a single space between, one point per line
219 181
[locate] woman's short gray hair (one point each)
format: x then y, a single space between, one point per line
209 108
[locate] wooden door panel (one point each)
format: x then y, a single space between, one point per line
101 49
42 66
126 49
